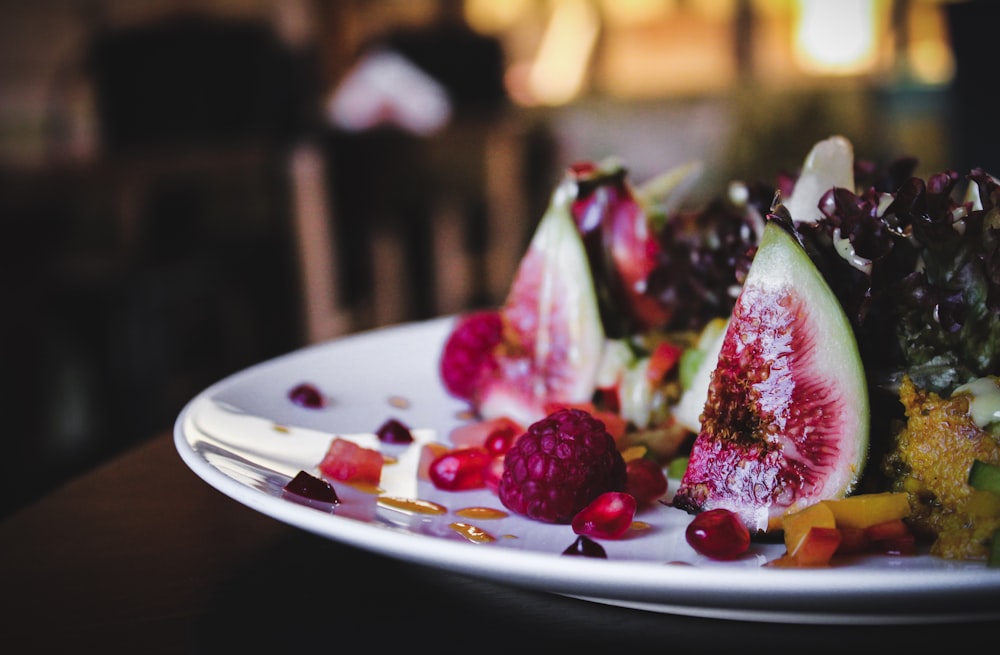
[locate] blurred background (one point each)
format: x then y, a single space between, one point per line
188 188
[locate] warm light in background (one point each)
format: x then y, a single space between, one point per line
624 13
929 53
647 49
837 38
489 16
560 67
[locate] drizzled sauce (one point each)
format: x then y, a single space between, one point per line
412 505
480 513
472 533
399 402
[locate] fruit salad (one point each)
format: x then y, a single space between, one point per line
756 349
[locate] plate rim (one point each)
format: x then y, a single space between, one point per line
823 595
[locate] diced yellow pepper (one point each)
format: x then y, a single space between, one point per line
796 525
634 452
865 510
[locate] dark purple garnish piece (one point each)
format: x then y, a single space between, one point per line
394 431
307 395
312 488
585 547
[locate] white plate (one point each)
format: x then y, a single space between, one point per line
245 438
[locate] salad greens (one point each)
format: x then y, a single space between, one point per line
921 279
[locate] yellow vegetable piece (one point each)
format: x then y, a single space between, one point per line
634 452
865 510
796 525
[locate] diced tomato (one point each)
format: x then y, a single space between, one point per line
817 547
662 360
891 537
852 541
891 529
349 462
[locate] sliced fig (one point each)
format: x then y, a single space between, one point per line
553 336
786 420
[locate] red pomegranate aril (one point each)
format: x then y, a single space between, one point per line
394 431
460 469
307 395
500 440
645 480
585 547
718 534
607 517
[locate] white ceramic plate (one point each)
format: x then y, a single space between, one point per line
245 438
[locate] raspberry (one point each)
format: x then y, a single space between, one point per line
468 357
559 465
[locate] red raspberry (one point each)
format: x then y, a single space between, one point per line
560 465
468 356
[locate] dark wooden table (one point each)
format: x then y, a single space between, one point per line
142 556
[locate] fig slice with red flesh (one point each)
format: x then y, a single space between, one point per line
786 420
553 336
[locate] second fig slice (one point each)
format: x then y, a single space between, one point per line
786 420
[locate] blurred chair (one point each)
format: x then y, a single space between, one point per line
428 171
325 314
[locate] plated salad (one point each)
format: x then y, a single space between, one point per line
804 357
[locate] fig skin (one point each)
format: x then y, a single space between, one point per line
786 421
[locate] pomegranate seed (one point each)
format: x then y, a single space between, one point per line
645 480
585 547
607 517
394 431
719 534
307 395
460 469
500 440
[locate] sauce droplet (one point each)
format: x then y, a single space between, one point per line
472 533
481 513
365 487
411 505
399 402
